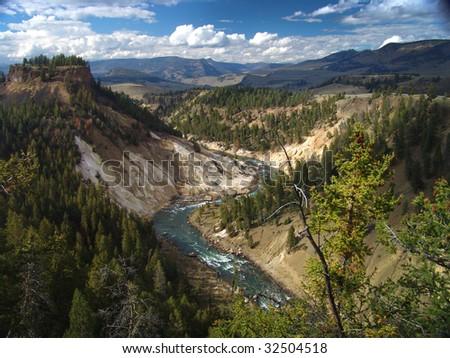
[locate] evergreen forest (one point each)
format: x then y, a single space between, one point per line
73 263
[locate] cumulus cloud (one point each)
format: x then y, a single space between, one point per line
262 38
202 36
206 36
42 34
274 52
181 34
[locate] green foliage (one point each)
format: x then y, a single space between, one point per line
236 99
291 240
427 231
71 261
422 292
123 103
415 126
55 61
299 318
234 116
342 215
82 318
249 239
18 172
248 211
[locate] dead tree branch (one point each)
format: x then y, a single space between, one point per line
326 272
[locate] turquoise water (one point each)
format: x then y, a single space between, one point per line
172 224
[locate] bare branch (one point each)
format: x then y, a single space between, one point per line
280 209
302 193
291 169
326 272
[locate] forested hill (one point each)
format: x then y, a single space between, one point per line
247 120
72 261
68 82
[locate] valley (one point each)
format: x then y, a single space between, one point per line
107 165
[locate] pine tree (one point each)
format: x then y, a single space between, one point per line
249 239
291 240
82 318
423 291
341 218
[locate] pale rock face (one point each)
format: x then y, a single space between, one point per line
143 182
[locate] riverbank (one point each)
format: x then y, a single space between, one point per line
269 252
209 287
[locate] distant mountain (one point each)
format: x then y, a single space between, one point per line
424 58
427 58
120 77
172 68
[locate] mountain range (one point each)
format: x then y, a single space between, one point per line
426 58
423 58
421 61
173 68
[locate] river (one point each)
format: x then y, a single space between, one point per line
172 224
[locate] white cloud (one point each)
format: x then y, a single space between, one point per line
51 27
181 34
7 11
236 38
203 36
301 16
165 2
296 16
262 37
341 7
379 11
272 53
376 11
51 34
392 39
311 19
206 36
76 10
42 34
39 36
103 11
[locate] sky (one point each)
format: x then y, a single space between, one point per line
243 31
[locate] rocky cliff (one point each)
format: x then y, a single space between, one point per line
141 169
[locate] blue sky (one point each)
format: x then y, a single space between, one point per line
225 30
